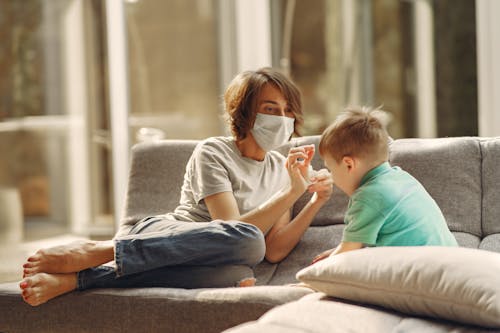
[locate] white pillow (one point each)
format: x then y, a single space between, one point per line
453 283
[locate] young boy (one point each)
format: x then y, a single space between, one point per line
387 206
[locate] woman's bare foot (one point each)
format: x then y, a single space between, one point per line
70 258
41 287
248 282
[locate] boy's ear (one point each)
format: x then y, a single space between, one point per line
349 162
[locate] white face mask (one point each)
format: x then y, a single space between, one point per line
270 131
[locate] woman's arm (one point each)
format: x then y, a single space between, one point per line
223 205
274 215
285 234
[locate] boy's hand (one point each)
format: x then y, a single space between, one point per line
322 256
322 185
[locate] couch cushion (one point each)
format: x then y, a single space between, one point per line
313 242
320 314
320 238
491 243
467 240
490 149
450 170
142 309
453 283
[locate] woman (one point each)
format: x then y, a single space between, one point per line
237 193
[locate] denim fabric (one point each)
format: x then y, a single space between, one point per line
163 252
172 277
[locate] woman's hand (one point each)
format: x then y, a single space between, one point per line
297 164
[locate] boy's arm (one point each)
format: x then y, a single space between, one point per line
347 246
342 247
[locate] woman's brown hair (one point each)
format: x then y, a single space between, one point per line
242 93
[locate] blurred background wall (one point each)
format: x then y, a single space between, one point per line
417 59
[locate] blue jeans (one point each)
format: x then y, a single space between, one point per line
159 252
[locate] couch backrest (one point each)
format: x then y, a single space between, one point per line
490 149
449 168
155 178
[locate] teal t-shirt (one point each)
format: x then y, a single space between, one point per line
391 208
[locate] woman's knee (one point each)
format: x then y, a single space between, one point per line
246 242
252 246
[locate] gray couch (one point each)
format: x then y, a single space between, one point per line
462 174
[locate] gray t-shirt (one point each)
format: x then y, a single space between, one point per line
216 166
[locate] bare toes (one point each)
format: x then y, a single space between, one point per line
34 257
31 300
26 293
249 282
28 272
24 284
31 263
43 287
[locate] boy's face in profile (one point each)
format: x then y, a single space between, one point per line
342 173
335 170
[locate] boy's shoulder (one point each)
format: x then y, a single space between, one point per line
385 185
383 173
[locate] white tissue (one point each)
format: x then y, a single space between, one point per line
310 174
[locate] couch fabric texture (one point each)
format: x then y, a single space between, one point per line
461 174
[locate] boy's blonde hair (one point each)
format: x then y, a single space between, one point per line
358 132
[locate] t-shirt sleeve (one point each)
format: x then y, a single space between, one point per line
208 172
363 223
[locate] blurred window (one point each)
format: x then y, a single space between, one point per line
416 59
173 69
53 117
